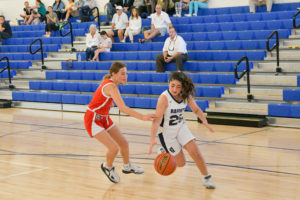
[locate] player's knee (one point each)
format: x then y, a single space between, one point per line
181 163
114 150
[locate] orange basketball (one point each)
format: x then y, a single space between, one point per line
165 164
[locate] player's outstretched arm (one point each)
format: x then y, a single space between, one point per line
113 91
195 108
161 107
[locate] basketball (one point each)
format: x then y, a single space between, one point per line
165 164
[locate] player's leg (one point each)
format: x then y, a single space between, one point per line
124 149
111 154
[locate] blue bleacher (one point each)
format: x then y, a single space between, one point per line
17 64
291 94
284 110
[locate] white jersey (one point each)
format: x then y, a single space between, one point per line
175 132
173 116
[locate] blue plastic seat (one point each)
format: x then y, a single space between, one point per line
54 97
62 75
75 75
71 86
41 97
46 85
143 77
158 89
207 78
129 101
160 77
279 110
82 99
142 102
17 95
88 76
128 89
34 85
226 79
291 95
58 85
143 89
30 96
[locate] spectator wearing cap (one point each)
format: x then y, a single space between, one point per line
119 24
160 23
174 50
5 29
253 3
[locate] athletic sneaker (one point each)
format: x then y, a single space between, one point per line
208 182
110 173
132 168
194 14
187 15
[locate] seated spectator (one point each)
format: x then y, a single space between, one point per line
92 42
196 4
59 9
135 25
84 11
143 6
105 45
167 5
27 12
39 14
111 9
119 24
160 23
5 29
127 5
72 9
181 6
253 3
174 50
52 22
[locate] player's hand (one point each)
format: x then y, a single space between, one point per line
152 143
149 117
208 127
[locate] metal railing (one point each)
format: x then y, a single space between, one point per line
7 67
294 20
39 49
276 45
97 16
70 32
247 71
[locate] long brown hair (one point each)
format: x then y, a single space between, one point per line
188 87
137 13
114 68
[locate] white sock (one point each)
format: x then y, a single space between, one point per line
126 165
104 164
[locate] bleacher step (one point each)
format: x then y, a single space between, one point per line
271 67
287 54
258 94
69 55
270 80
247 120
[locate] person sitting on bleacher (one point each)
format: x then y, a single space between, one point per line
135 25
5 29
72 9
174 50
143 6
84 11
127 5
111 9
105 45
253 3
160 23
40 14
52 22
27 12
196 4
59 9
119 24
92 42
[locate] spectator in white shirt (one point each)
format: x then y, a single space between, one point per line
253 3
92 42
135 25
105 45
160 24
119 24
174 50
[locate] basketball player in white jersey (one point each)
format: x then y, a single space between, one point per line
175 133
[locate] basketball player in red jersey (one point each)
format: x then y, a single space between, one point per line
99 125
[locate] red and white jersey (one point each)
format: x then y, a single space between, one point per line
101 103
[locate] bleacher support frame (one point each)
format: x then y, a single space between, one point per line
70 32
276 45
247 71
97 17
294 20
11 86
39 49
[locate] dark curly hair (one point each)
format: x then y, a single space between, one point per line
188 87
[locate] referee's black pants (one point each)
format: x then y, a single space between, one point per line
160 62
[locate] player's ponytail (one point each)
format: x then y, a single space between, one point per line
114 68
188 87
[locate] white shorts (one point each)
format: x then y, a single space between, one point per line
175 142
162 31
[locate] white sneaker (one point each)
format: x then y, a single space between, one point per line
122 41
187 15
208 182
194 14
132 168
110 173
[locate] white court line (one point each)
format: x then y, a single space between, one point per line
22 173
22 164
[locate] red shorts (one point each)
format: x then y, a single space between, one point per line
95 123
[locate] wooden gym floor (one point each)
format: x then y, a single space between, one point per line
48 155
